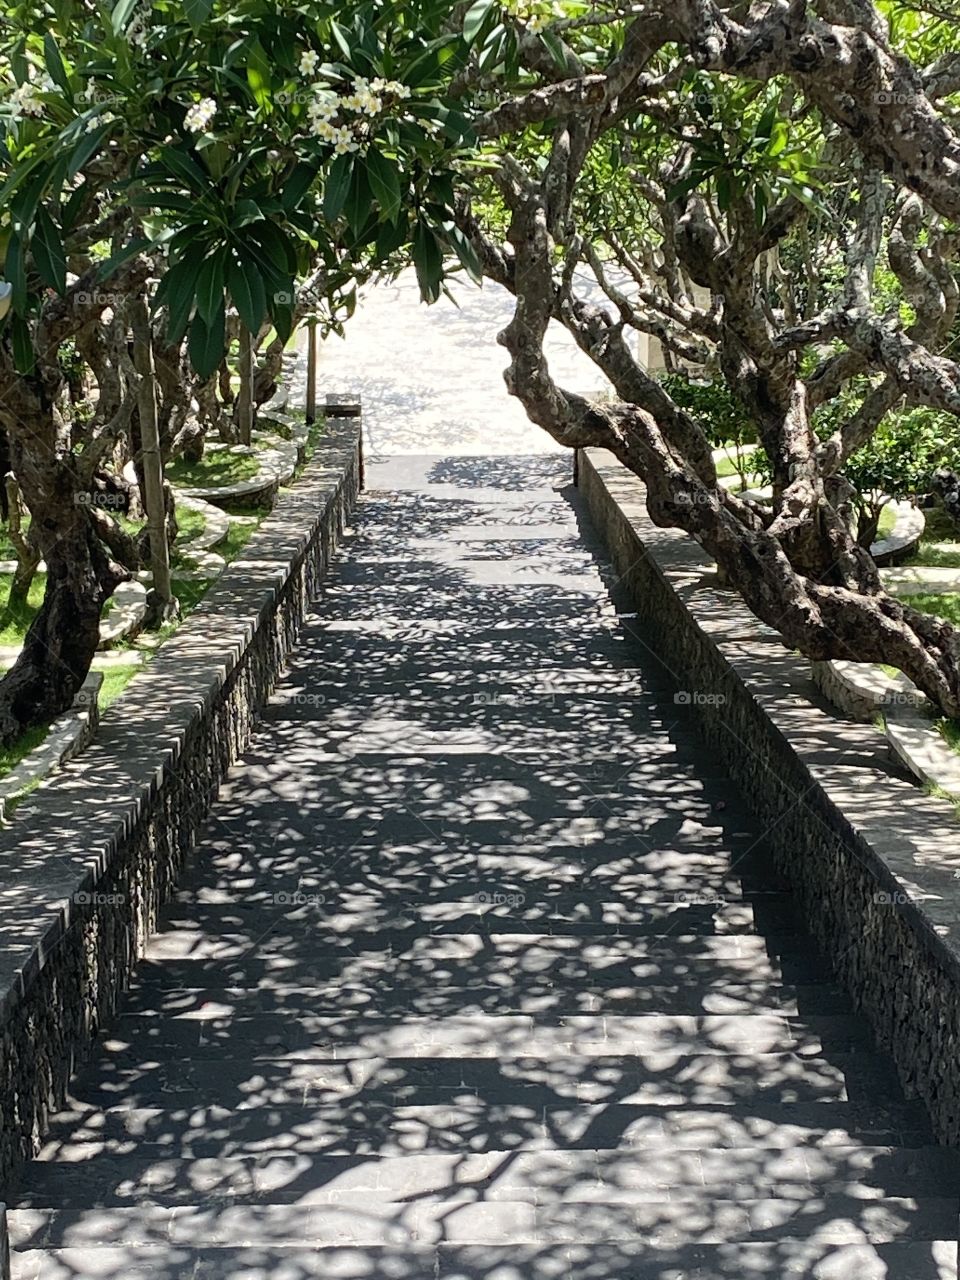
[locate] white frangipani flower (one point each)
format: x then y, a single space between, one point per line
324 106
200 115
309 61
344 141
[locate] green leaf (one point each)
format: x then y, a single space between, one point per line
207 343
685 185
24 358
390 237
554 46
48 254
135 246
385 183
121 15
297 185
15 272
177 291
336 187
340 36
259 73
475 18
428 261
357 208
87 148
465 252
248 293
210 286
275 245
55 68
778 138
197 12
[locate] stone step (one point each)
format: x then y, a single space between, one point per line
298 908
209 1034
371 1125
664 1079
560 995
581 1176
290 946
369 1222
793 1258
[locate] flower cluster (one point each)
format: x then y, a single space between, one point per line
365 99
536 16
200 115
25 99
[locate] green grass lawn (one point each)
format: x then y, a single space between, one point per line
887 523
13 626
946 605
727 466
940 545
10 757
190 524
216 467
115 680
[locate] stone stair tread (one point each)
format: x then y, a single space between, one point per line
486 910
367 1222
787 1259
580 1175
662 1078
205 1032
564 995
474 966
365 1125
483 969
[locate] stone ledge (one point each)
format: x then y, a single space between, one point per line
67 737
93 856
873 861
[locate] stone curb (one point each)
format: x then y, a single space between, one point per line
67 737
871 859
95 854
126 617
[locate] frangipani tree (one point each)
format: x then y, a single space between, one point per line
774 194
197 159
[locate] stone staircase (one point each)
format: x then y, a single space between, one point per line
481 970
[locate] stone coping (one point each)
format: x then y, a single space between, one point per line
66 738
873 860
92 856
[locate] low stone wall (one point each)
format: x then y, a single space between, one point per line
873 861
91 858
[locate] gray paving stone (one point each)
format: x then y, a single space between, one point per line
481 970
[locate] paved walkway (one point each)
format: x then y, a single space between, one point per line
479 972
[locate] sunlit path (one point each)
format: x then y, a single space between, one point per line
479 971
431 378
